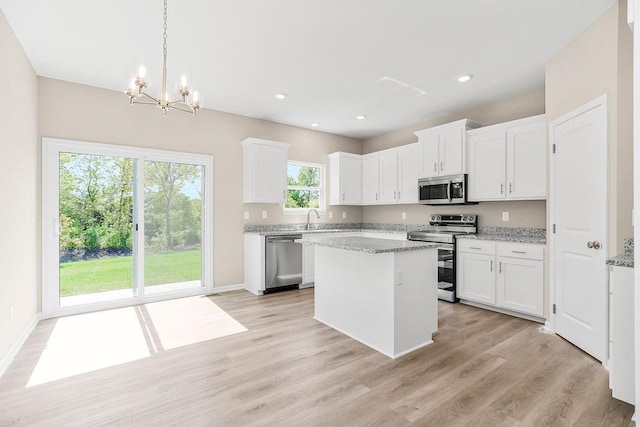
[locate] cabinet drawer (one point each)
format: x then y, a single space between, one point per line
521 250
475 246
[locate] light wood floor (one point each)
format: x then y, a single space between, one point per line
484 368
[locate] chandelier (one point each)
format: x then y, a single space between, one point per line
136 91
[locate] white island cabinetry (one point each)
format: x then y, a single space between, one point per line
385 299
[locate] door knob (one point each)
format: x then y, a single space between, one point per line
590 245
596 244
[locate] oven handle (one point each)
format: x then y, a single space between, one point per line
449 191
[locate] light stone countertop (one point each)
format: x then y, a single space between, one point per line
307 232
625 259
368 244
505 238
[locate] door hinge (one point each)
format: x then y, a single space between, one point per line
136 227
554 229
554 148
554 309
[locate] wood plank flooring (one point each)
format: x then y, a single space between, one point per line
484 369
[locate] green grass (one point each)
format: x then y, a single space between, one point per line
109 274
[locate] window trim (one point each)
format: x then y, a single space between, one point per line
322 204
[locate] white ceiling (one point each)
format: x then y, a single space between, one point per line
334 58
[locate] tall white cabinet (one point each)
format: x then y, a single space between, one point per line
441 149
508 161
264 171
345 179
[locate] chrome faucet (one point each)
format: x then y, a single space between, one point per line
309 213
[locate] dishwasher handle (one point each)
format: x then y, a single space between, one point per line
284 239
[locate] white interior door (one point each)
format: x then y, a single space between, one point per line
579 214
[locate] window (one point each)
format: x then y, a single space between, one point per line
305 186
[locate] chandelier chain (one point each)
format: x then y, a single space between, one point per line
164 26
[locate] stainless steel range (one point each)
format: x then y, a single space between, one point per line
444 229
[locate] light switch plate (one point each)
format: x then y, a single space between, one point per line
344 215
246 214
505 216
330 214
404 215
264 214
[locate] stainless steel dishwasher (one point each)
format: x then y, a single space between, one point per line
283 262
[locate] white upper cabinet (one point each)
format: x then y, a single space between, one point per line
264 171
389 176
345 179
408 173
370 179
507 161
441 149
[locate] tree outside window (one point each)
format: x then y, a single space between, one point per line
304 186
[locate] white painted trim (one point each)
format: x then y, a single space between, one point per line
15 348
503 311
227 288
551 237
547 327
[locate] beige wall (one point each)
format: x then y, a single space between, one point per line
521 214
72 111
599 61
19 253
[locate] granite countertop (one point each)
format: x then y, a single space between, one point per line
536 236
505 238
368 244
625 259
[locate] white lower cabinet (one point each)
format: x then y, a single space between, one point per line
502 274
308 263
621 334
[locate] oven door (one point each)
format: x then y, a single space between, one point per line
434 191
447 273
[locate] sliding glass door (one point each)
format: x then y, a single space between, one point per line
123 225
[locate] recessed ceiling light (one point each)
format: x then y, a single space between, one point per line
361 117
281 95
465 78
315 124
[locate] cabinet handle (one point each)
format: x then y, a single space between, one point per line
376 196
500 271
491 268
398 195
343 197
510 188
435 166
441 166
394 195
501 188
519 252
473 247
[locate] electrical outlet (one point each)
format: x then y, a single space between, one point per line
400 277
330 214
344 215
264 214
505 216
404 215
246 214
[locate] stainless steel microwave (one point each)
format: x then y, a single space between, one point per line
443 190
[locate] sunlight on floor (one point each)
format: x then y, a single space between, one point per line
92 341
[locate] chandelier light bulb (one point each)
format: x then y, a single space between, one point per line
142 72
196 97
183 81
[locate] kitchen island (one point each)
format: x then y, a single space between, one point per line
380 292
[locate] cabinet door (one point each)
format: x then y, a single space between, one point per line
389 177
428 163
476 279
269 175
487 156
520 285
621 334
350 180
408 174
526 163
370 179
451 151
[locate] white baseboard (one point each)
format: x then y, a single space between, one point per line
227 288
15 348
